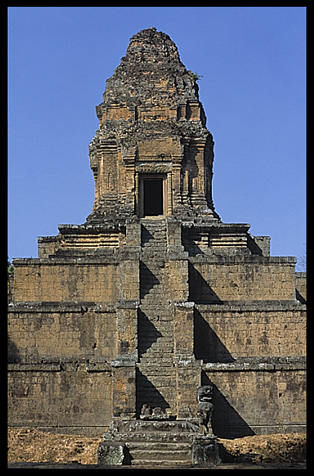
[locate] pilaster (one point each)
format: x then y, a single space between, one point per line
188 370
124 364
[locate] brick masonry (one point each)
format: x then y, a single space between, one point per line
129 309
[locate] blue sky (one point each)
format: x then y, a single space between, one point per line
253 85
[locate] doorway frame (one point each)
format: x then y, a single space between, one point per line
142 178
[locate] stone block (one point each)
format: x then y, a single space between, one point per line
111 453
205 450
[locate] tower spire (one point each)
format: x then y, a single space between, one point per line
152 126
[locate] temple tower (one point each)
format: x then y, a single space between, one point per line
154 295
152 154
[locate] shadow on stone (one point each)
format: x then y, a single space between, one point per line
146 235
207 345
199 290
147 393
147 279
147 333
13 352
226 421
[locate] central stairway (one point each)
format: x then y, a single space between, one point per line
156 439
155 443
156 378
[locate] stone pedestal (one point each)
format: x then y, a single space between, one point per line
110 453
205 450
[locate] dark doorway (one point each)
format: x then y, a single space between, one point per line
153 196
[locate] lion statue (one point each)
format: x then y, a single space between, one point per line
205 408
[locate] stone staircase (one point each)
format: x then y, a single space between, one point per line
155 382
155 443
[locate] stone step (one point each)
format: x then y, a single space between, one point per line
152 281
158 246
158 336
154 241
153 295
152 437
151 254
155 357
157 318
149 265
155 400
155 290
161 328
164 378
153 340
154 238
162 344
150 235
148 306
156 305
151 397
161 456
163 339
157 427
152 356
157 252
156 353
159 464
164 328
165 381
148 362
161 322
148 346
155 438
156 324
149 370
157 445
153 278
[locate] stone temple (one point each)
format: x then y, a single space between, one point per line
154 295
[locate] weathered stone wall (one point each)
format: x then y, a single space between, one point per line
59 366
249 349
233 278
59 280
67 398
252 399
254 355
223 333
42 332
301 286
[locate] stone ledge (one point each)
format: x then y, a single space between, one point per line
59 307
98 367
35 367
262 305
250 364
226 260
87 228
59 366
127 304
101 260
